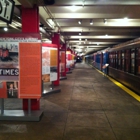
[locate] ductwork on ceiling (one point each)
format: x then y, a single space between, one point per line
49 2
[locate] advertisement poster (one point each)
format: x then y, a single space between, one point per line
62 61
49 64
9 62
30 70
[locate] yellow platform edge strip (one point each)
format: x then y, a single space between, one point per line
130 92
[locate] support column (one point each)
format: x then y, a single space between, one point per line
64 49
56 40
30 24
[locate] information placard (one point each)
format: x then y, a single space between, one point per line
30 70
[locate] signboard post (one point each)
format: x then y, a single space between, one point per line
6 10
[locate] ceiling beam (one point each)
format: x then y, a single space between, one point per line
27 3
96 2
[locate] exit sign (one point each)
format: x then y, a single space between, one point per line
6 10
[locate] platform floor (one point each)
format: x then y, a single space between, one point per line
89 107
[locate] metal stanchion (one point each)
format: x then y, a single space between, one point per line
29 106
52 85
2 106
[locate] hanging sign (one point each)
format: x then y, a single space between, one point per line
6 10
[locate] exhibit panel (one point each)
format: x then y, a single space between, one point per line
62 61
49 68
68 59
49 62
20 64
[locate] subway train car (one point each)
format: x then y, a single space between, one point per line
78 59
89 59
124 63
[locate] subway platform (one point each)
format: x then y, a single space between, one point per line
89 107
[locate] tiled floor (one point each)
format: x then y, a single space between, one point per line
89 107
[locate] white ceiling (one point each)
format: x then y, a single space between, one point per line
61 16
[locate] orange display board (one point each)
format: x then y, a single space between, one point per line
53 56
30 70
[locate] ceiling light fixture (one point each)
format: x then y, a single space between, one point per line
91 22
79 22
83 3
5 29
79 38
105 21
79 33
126 18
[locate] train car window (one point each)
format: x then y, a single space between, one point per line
116 60
123 60
127 61
138 61
119 59
111 59
133 61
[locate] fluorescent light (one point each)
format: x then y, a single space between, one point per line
74 8
91 22
105 21
126 18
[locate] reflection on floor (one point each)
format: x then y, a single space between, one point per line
89 107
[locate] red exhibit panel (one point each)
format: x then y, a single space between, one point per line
3 90
30 70
67 60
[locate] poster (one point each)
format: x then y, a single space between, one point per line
9 63
49 63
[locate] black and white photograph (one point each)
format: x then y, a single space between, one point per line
12 89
